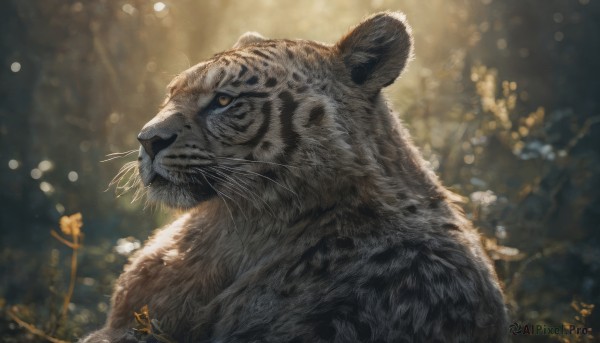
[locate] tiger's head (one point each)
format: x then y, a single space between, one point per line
274 117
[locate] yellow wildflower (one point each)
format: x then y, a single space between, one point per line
71 225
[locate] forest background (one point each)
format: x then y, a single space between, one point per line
502 98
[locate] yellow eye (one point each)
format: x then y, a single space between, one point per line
224 100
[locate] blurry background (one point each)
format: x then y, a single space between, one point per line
502 98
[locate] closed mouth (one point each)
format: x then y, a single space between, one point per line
157 180
201 190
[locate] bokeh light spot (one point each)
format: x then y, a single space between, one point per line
114 118
558 17
483 198
484 26
77 7
73 176
559 36
102 307
46 187
501 232
60 208
88 281
501 44
127 8
15 67
126 246
84 146
159 6
36 173
45 165
13 164
151 66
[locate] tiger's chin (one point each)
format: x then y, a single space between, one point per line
181 196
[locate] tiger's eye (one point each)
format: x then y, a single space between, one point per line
224 100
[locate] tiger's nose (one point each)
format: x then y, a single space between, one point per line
155 144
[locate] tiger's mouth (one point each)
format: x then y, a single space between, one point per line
179 194
201 188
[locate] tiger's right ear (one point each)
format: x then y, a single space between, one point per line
248 38
376 51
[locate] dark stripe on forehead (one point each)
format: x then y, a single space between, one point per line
249 60
264 126
261 54
289 136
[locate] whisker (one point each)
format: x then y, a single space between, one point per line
126 168
147 204
139 193
228 209
117 155
232 189
251 161
242 171
121 153
247 189
126 179
221 178
219 192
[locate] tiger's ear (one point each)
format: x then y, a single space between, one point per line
376 51
248 38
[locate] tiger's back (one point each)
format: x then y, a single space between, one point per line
312 216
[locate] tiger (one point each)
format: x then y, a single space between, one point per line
310 216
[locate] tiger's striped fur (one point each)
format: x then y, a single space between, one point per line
312 217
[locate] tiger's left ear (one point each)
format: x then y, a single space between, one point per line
248 38
376 51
